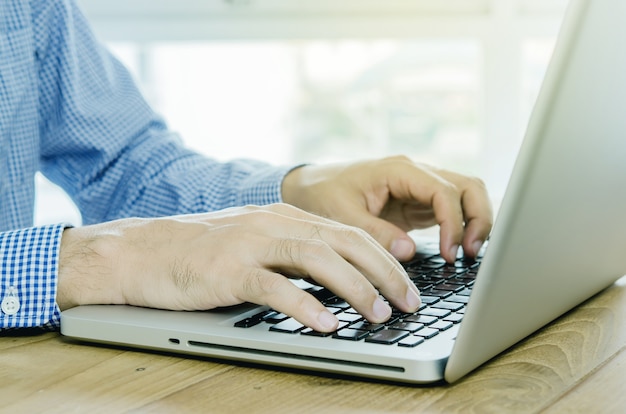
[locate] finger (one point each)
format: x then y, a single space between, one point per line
391 237
345 259
478 220
268 288
379 267
477 211
317 260
354 266
431 189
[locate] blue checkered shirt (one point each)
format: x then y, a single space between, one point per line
71 110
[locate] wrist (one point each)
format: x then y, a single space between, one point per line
86 268
291 188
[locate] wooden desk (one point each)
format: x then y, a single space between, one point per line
576 364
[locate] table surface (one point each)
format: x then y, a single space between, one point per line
575 364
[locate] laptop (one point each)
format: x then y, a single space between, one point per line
558 239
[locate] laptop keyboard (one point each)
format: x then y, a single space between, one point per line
444 287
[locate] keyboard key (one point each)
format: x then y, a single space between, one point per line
337 302
252 320
367 326
439 313
441 325
290 325
312 332
423 319
322 294
436 292
458 299
437 259
411 341
427 333
471 274
406 326
333 310
386 336
422 284
466 281
275 317
451 287
438 276
393 319
428 300
454 318
350 334
450 273
448 305
461 264
421 256
433 279
349 317
429 265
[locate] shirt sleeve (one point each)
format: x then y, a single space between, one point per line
29 277
104 145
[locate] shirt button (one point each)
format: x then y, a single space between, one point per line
10 305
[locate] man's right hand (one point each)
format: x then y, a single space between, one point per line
204 261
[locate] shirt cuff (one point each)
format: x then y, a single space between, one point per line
29 261
264 186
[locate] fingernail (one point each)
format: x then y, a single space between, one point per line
382 311
454 250
401 248
412 299
327 320
477 245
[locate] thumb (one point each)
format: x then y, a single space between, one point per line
390 236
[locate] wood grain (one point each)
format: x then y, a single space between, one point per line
576 364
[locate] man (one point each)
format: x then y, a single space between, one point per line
224 233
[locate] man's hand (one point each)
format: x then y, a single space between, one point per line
199 262
394 195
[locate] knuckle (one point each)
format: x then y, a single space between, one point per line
358 288
278 207
251 209
396 163
354 235
389 277
450 190
259 284
252 284
301 302
478 182
252 215
400 158
287 251
284 209
183 275
314 251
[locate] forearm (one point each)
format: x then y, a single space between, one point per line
118 158
156 176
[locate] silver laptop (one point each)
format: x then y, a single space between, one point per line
559 238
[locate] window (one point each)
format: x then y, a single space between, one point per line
448 83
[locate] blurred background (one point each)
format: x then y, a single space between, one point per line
447 82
